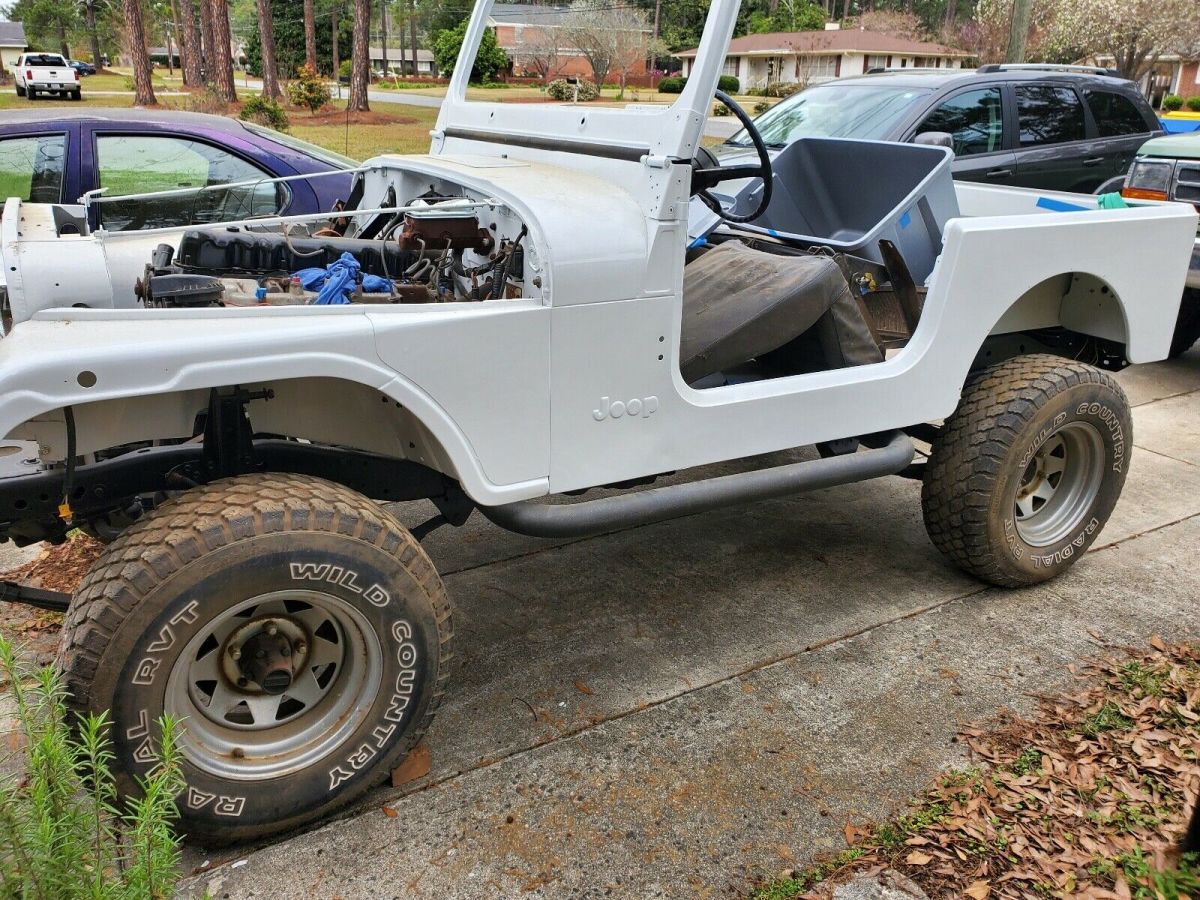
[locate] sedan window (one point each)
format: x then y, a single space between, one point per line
975 119
1115 115
1049 115
31 168
139 164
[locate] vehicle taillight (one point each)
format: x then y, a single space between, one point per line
76 71
29 74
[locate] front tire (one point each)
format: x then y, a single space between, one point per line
1025 473
1187 326
297 629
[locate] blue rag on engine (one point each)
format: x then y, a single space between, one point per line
335 283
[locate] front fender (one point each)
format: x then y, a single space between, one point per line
69 358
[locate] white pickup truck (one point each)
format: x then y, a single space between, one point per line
544 321
45 73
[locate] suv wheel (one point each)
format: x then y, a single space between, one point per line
296 630
1187 326
1026 472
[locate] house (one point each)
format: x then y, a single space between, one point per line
523 30
810 57
12 43
1170 74
425 64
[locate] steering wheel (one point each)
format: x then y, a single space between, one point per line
705 178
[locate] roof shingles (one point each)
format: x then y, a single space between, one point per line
12 34
837 41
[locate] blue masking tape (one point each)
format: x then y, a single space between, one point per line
1059 205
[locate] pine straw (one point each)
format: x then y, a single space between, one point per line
1086 799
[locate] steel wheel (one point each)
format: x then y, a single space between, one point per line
1059 484
274 684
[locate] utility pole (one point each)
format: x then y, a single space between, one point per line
1019 31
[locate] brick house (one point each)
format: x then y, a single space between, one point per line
521 26
810 57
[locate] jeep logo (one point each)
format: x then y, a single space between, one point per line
615 409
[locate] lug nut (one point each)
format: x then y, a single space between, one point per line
272 630
300 646
235 653
285 650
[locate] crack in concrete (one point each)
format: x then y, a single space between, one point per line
1168 397
1164 455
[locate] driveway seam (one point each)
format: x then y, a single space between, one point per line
1163 455
1161 399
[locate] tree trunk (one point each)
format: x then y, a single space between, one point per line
222 57
178 34
189 38
412 33
89 10
209 43
951 13
63 47
337 63
266 32
1018 32
383 8
170 56
135 41
310 35
845 9
360 63
400 34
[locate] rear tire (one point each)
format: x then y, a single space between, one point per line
297 629
20 91
30 94
1025 473
77 95
1187 326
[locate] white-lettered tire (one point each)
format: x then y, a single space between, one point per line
1026 472
297 628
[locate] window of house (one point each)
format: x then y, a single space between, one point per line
31 168
141 163
1115 115
816 66
732 64
975 119
1049 115
876 61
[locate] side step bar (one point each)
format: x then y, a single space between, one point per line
55 601
590 517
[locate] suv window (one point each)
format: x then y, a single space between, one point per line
1049 115
1115 115
31 168
141 164
974 118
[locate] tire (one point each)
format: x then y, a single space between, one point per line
20 91
991 499
77 95
154 626
30 94
1187 326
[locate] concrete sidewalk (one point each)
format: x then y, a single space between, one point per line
677 709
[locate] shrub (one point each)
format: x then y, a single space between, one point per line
781 89
729 84
308 89
265 112
1172 103
61 832
561 89
761 107
672 85
1193 104
721 109
345 67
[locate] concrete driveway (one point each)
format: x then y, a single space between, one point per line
674 710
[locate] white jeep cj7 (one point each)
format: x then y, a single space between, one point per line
545 318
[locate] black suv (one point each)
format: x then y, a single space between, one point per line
1065 128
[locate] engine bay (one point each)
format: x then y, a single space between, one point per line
441 246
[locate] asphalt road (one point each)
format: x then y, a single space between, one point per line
673 710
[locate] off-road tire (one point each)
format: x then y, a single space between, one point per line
1187 326
226 554
982 459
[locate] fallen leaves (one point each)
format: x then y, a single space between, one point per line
1085 799
416 765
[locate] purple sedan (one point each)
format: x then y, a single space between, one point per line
48 156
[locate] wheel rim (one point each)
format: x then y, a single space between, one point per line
1059 485
236 727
